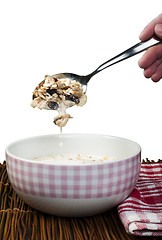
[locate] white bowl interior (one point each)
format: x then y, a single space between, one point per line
95 144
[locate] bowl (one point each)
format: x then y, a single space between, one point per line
73 190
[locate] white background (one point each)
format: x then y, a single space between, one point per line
49 37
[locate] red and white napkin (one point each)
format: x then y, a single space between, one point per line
141 212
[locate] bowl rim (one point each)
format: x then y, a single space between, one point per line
7 152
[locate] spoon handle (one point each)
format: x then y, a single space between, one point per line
139 47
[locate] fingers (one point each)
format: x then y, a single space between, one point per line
148 72
158 74
151 62
150 56
149 30
158 30
154 71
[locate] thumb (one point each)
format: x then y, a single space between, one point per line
158 30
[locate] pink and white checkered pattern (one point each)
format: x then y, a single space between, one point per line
83 181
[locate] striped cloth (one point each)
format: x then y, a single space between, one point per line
141 212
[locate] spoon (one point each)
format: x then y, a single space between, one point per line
139 47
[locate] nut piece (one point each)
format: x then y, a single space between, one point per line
61 120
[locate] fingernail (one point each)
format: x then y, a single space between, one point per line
158 29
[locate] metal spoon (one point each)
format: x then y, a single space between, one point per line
139 47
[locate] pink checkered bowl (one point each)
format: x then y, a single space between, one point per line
74 189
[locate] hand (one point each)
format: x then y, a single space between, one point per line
151 61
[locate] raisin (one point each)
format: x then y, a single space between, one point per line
51 91
72 98
33 97
52 105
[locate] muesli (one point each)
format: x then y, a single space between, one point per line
68 159
58 94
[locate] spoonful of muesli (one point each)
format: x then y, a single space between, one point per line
61 91
58 92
